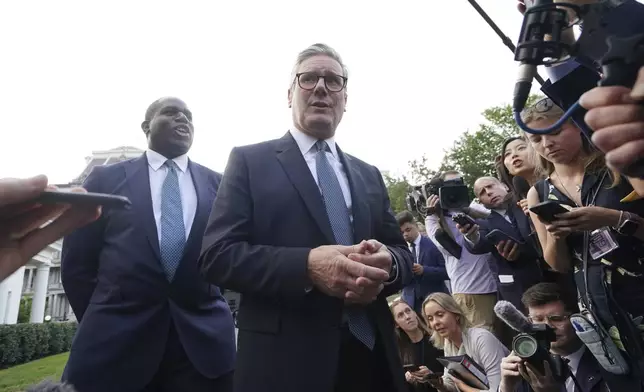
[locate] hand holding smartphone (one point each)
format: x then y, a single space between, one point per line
548 210
76 198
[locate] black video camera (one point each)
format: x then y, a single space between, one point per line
534 347
452 194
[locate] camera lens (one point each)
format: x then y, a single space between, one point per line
525 346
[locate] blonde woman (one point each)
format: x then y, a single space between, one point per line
414 345
453 333
601 238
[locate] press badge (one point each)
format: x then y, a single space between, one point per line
601 243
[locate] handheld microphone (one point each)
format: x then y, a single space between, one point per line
521 187
511 316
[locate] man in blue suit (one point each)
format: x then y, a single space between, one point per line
305 233
429 265
148 321
518 263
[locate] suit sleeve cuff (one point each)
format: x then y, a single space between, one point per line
393 273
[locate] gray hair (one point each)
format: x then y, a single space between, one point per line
317 50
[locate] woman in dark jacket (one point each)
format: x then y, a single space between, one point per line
414 346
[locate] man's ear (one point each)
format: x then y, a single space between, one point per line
345 100
290 98
145 126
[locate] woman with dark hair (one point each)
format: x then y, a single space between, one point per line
414 346
517 159
602 235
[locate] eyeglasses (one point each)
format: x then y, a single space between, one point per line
333 82
552 319
544 105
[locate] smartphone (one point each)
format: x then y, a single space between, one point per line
434 376
548 209
495 236
76 198
411 368
463 219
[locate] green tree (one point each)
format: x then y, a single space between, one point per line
397 188
474 153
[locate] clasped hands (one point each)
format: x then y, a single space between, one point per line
355 273
27 227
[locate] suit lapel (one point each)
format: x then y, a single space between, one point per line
359 207
205 198
138 180
298 172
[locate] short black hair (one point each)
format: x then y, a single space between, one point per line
405 217
154 106
547 292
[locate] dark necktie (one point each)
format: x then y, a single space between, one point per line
173 232
413 251
338 213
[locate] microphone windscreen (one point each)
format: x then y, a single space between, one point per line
521 186
511 316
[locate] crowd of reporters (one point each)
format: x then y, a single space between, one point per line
586 243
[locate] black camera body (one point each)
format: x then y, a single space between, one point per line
533 346
452 194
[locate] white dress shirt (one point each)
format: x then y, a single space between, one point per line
158 173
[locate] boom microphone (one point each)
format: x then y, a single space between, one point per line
512 317
521 187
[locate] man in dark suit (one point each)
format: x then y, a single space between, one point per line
553 304
313 315
148 321
429 265
518 263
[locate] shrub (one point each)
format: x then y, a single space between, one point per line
20 343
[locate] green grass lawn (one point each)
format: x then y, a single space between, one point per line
18 378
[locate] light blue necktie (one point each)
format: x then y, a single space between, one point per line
173 231
336 209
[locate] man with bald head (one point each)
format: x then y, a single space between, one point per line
517 261
148 322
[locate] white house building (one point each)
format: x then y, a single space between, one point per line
40 279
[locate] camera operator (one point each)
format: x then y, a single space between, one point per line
616 115
601 236
473 283
549 303
517 261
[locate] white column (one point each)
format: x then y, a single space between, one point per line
53 309
10 294
40 294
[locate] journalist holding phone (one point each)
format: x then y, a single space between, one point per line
417 352
504 233
601 234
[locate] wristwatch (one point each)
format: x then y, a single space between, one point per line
628 226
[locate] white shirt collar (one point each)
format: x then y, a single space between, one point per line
575 358
306 142
417 241
156 160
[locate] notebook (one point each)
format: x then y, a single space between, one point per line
466 370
